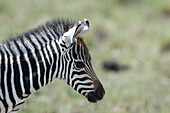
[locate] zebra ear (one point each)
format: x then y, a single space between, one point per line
82 28
76 31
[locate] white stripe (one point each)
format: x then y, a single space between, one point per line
46 55
66 74
82 86
59 58
64 69
48 32
44 36
78 81
1 96
60 71
2 108
14 48
86 91
34 40
51 54
40 39
56 37
21 46
76 51
29 45
71 71
76 76
21 75
56 52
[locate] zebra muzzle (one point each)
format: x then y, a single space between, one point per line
97 95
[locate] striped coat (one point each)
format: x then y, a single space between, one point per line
33 59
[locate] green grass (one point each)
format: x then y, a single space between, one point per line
133 32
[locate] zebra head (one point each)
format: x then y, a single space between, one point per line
80 74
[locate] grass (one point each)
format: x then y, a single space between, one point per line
133 32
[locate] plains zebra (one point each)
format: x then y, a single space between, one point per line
33 59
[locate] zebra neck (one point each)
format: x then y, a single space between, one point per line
28 70
46 65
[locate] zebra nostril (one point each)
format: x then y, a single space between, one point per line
101 94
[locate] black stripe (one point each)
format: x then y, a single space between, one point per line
78 47
52 33
54 62
62 67
69 68
34 71
42 68
2 81
63 46
74 52
58 62
56 32
65 66
81 89
26 79
20 103
77 73
82 55
58 70
47 67
42 37
80 79
15 110
17 80
85 84
17 105
49 37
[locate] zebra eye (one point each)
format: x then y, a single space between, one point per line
79 64
89 57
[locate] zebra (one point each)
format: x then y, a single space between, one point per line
33 59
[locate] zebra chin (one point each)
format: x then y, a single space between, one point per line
96 95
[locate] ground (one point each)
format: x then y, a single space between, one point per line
132 32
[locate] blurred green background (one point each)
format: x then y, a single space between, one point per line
132 32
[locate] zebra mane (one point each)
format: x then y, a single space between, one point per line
59 27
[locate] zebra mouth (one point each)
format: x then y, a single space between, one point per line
94 97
